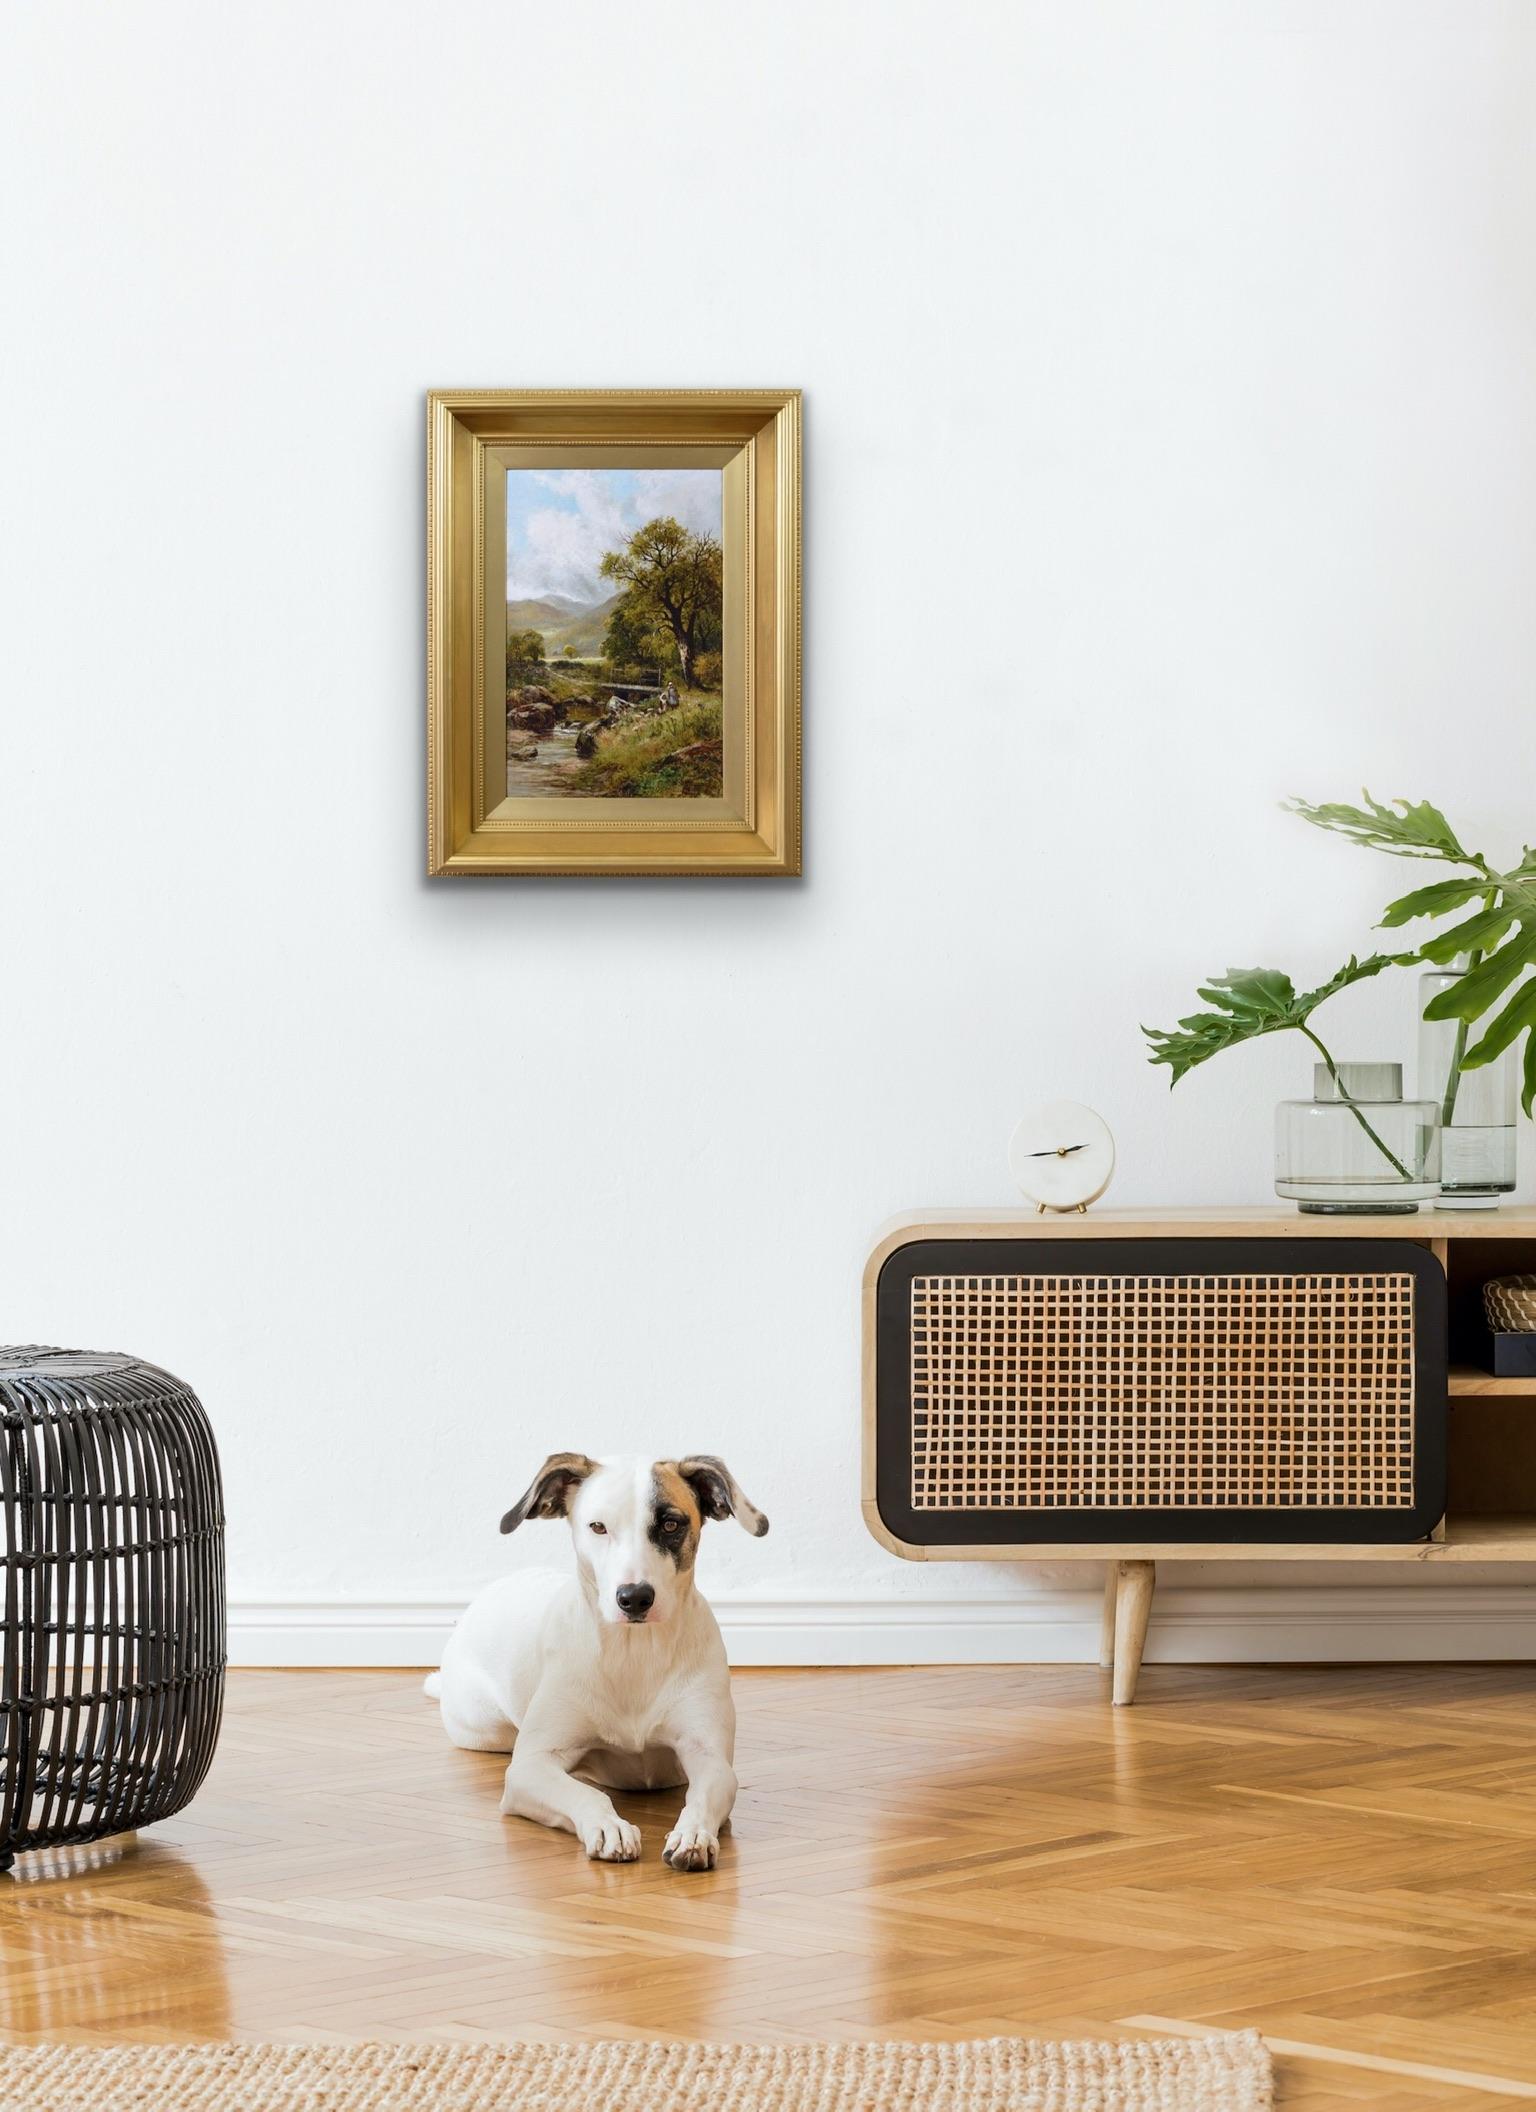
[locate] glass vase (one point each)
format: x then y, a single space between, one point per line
1477 1108
1357 1145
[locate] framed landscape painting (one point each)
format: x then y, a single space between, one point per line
613 631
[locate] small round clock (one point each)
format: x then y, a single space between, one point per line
1062 1155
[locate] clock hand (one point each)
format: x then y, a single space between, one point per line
1057 1151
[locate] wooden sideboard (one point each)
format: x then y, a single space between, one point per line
1490 1512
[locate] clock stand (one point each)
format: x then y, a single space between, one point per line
1129 1389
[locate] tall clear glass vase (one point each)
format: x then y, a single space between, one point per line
1477 1108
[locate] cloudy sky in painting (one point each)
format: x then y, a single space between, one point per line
561 521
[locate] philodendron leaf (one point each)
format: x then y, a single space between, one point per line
1252 993
1476 992
1411 830
1508 1025
1249 1002
1435 901
1508 899
1353 971
1477 934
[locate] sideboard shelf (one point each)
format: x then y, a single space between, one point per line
1491 1448
1467 1380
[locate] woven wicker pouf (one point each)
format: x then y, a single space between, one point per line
112 1563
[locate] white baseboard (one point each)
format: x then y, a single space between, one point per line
1286 1624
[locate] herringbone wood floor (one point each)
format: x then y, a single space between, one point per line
1345 1858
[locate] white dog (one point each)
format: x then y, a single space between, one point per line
618 1671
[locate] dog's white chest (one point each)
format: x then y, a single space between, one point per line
626 1716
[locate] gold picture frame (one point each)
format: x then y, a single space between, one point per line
750 823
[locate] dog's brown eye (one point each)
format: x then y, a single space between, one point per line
671 1525
594 1527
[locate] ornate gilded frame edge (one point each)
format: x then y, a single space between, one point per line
770 420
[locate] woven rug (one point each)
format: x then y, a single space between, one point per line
1225 2074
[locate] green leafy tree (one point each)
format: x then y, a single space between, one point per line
1498 936
569 651
524 649
673 579
636 637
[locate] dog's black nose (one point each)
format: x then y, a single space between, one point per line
635 1600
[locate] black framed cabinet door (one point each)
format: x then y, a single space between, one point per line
1203 1389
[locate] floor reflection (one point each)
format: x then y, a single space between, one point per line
116 1938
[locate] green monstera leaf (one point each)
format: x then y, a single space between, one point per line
1248 1002
1436 901
1406 829
1498 938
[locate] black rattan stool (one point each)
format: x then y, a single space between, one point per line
112 1563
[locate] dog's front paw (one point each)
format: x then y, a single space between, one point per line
691 1846
612 1840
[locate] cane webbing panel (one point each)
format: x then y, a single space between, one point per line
1163 1392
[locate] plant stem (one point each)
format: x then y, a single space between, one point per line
1459 1049
1448 1104
1453 1082
1333 1072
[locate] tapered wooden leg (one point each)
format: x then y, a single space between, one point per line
1133 1605
1107 1626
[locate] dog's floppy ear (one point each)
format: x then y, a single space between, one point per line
549 1493
719 1493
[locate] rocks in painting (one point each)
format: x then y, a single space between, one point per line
696 752
522 751
586 743
539 710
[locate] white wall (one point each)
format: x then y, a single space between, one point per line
1168 368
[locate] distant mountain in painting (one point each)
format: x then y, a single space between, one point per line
563 621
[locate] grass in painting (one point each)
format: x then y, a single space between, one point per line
673 755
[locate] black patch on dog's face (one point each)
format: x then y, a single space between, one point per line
675 1521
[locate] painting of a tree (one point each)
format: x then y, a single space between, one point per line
635 637
524 649
672 579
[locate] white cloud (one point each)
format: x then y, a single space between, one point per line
689 495
560 548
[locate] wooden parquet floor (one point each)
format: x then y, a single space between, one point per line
1344 1858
